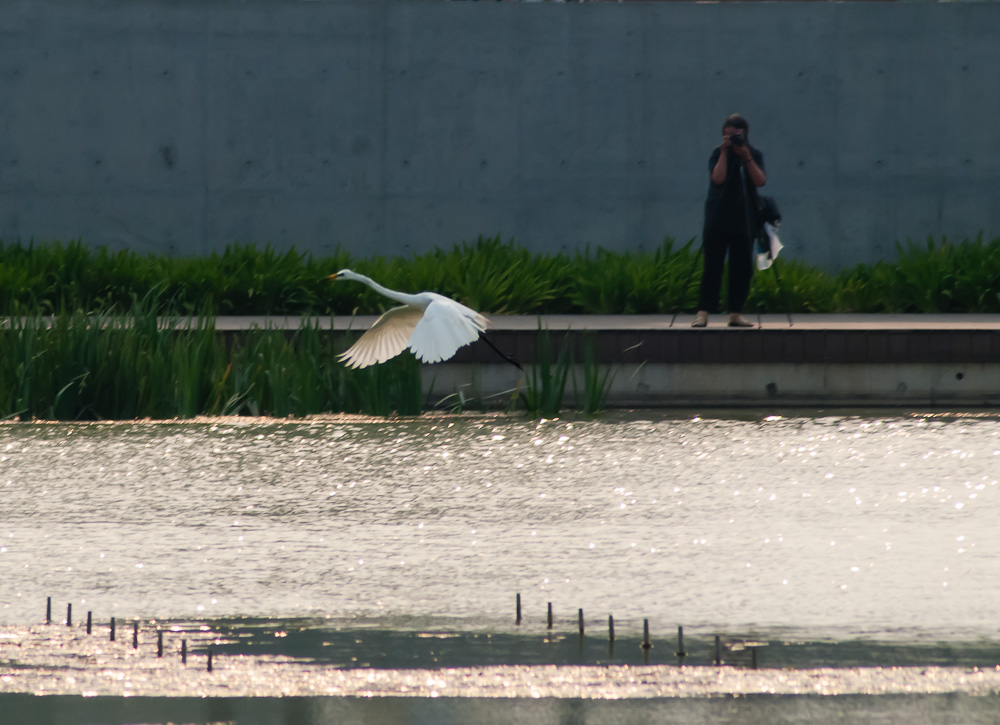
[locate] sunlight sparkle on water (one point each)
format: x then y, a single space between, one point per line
703 520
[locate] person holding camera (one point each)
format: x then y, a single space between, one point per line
736 171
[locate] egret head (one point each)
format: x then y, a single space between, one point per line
342 274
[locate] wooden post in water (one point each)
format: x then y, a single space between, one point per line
718 651
69 614
90 622
646 644
550 615
112 629
580 618
48 610
611 636
517 620
680 642
184 651
135 635
753 657
159 643
209 658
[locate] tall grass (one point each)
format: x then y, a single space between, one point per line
553 372
490 275
82 366
597 380
623 283
84 336
545 384
933 276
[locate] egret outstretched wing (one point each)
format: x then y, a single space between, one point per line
431 325
385 339
446 326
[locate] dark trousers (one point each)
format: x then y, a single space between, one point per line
715 247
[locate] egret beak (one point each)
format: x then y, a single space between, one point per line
333 277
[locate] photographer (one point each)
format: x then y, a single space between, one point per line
736 171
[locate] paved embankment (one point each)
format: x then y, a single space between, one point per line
807 360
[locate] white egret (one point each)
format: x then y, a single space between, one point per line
432 326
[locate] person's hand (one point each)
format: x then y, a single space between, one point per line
726 144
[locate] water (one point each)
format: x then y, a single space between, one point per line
870 538
831 524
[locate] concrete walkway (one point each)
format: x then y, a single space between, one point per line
522 323
818 361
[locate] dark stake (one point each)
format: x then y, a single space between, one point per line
646 644
112 629
184 651
580 617
680 643
135 635
753 657
90 622
48 610
69 615
718 650
159 643
518 619
209 658
550 615
611 628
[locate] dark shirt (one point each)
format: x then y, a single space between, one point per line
725 208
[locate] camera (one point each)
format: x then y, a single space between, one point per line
738 139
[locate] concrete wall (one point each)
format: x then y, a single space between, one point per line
390 127
748 385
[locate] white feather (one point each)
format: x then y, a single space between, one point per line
432 326
384 340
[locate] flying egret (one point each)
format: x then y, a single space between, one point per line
431 325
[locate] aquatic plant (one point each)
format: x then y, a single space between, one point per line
545 384
81 366
791 286
488 274
491 275
95 333
597 380
635 282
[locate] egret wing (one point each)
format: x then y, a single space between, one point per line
384 340
446 326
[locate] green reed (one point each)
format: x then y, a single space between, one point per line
545 384
635 282
489 274
556 370
82 366
597 380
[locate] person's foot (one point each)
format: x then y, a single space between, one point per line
701 319
738 320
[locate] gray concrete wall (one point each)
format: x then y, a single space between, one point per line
391 127
748 385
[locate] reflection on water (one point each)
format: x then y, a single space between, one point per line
56 660
799 710
841 526
347 646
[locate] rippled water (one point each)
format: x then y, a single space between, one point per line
836 525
